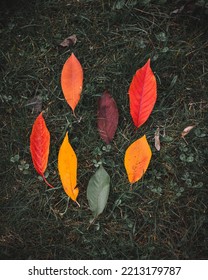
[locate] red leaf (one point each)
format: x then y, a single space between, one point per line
107 117
39 146
142 94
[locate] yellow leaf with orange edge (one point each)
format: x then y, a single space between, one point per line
137 159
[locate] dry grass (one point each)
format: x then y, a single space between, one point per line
165 215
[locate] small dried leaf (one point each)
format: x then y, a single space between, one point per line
187 130
69 41
157 139
177 11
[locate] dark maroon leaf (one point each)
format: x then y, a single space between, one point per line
107 119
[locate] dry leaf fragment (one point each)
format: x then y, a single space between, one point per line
157 139
69 41
187 130
177 11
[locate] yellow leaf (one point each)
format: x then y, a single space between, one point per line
137 159
67 166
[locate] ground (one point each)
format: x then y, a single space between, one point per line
163 215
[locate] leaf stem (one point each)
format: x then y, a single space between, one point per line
44 178
77 203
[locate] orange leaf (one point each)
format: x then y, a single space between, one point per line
67 166
72 81
39 146
142 94
137 159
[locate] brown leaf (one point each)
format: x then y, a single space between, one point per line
157 139
107 117
187 130
69 41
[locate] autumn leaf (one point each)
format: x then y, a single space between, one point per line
72 81
187 130
69 41
137 159
98 191
142 94
157 139
67 167
107 117
39 146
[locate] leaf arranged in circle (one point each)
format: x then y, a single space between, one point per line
72 81
107 117
39 146
67 167
137 159
142 94
98 191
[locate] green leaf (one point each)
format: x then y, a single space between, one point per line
98 191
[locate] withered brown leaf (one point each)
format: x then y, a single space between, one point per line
187 130
107 117
157 139
69 41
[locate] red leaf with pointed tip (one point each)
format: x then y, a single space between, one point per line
142 94
107 117
39 146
